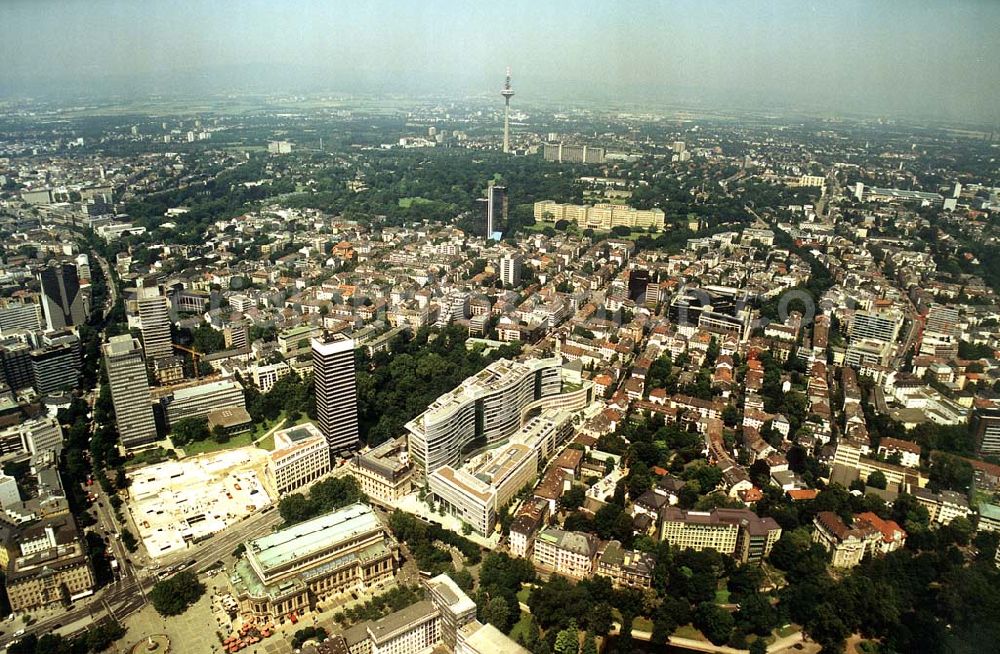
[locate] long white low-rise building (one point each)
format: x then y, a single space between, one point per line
476 495
478 491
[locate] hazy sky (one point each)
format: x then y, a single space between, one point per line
906 57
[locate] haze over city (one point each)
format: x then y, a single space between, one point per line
926 59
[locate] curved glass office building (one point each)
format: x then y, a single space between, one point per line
482 412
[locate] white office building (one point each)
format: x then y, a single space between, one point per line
483 411
300 457
130 391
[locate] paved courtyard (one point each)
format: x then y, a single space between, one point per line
197 630
193 631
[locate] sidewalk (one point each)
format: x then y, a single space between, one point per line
411 504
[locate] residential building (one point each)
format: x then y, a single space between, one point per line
266 376
985 427
893 536
300 457
989 517
130 391
336 392
169 370
847 546
524 526
626 567
510 269
326 557
943 507
908 451
739 533
568 553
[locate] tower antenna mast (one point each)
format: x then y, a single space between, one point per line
507 94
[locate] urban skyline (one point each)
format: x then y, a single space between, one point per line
315 339
821 58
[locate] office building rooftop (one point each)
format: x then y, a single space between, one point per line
307 538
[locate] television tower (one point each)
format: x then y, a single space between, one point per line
507 94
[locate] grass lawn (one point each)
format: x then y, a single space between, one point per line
521 628
209 445
642 624
267 425
149 457
522 595
405 203
539 226
687 631
722 596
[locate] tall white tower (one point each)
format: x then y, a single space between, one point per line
336 391
507 94
156 341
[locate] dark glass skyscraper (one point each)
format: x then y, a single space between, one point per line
63 303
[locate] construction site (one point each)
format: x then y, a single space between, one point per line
176 503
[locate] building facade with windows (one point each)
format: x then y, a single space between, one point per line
300 457
600 216
568 553
846 546
319 559
130 391
51 566
384 473
202 398
739 533
483 411
336 391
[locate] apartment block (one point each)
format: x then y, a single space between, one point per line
739 533
568 553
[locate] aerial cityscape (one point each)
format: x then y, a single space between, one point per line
533 329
